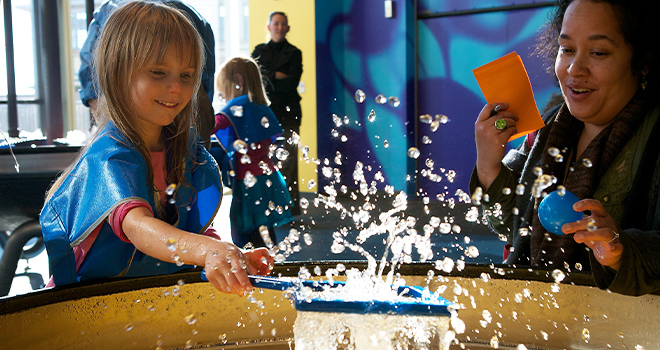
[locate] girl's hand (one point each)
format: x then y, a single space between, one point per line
491 142
260 261
598 232
227 268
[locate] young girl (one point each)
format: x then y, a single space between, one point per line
260 200
141 197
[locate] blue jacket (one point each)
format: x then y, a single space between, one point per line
247 127
110 172
86 74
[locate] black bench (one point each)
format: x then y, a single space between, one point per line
21 199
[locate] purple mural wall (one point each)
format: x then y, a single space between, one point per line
359 49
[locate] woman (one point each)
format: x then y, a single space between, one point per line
601 144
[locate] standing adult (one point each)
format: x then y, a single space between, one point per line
88 86
281 65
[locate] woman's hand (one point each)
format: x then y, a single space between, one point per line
260 260
227 268
491 142
598 232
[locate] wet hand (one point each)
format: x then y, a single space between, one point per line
227 268
260 261
492 130
598 231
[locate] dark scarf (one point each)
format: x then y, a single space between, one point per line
562 251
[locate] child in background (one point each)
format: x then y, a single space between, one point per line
260 200
112 212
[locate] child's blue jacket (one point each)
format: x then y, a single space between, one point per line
110 172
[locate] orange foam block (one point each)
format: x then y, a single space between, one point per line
505 80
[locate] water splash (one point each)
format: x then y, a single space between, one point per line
11 150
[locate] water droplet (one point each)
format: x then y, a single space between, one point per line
394 101
311 184
578 266
307 238
494 342
443 119
359 96
426 118
294 139
523 231
553 151
558 275
337 247
561 190
435 125
587 162
281 154
171 244
190 319
237 111
128 327
426 140
413 153
265 236
386 144
445 228
249 180
336 120
245 159
585 335
538 171
381 99
170 189
506 191
591 225
520 189
304 203
265 123
429 163
559 159
472 251
372 116
240 146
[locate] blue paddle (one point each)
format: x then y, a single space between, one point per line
283 284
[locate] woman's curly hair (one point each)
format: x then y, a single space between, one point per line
639 23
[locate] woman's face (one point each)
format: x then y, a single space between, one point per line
594 63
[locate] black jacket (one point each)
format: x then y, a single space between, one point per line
283 93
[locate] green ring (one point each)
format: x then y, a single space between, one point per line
500 124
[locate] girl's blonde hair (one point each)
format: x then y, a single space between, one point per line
239 76
133 34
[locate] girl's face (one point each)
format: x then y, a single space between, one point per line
162 89
594 63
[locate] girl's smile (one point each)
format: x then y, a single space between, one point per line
161 90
